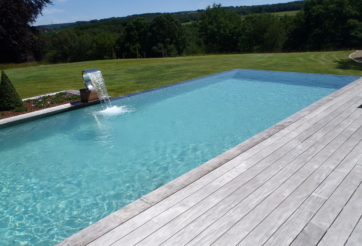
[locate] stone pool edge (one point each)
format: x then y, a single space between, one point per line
124 214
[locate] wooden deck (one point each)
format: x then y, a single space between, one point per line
299 185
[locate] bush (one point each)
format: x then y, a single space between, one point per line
9 98
20 109
1 114
72 97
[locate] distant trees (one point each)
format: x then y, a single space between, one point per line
220 29
162 37
328 25
166 36
103 46
17 37
263 33
68 46
225 31
320 25
135 37
194 42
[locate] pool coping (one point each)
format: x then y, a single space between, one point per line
124 214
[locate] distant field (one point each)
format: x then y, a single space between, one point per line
286 13
291 13
131 75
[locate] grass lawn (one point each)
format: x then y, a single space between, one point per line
291 13
125 76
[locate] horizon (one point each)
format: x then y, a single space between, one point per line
67 11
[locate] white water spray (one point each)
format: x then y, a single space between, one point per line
94 81
114 111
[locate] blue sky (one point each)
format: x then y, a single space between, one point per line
65 11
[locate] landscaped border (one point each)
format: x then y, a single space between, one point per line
23 118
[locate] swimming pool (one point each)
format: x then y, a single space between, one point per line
62 173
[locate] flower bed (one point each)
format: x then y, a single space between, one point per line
41 102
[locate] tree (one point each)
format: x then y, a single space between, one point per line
263 33
194 42
328 25
220 29
68 46
167 36
104 46
17 37
136 36
9 98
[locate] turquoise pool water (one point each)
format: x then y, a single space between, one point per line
60 174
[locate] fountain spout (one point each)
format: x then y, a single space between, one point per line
93 81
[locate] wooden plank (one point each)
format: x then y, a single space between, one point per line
281 214
295 223
343 226
254 217
182 206
175 225
346 166
247 224
323 219
293 226
217 229
310 235
356 238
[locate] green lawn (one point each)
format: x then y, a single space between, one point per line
292 13
131 75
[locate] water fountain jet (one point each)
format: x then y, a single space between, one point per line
96 89
94 82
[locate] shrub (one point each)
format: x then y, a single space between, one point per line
60 95
20 109
57 100
73 97
1 114
9 98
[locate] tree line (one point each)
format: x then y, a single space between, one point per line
319 25
183 17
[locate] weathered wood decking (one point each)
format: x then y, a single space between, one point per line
298 183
